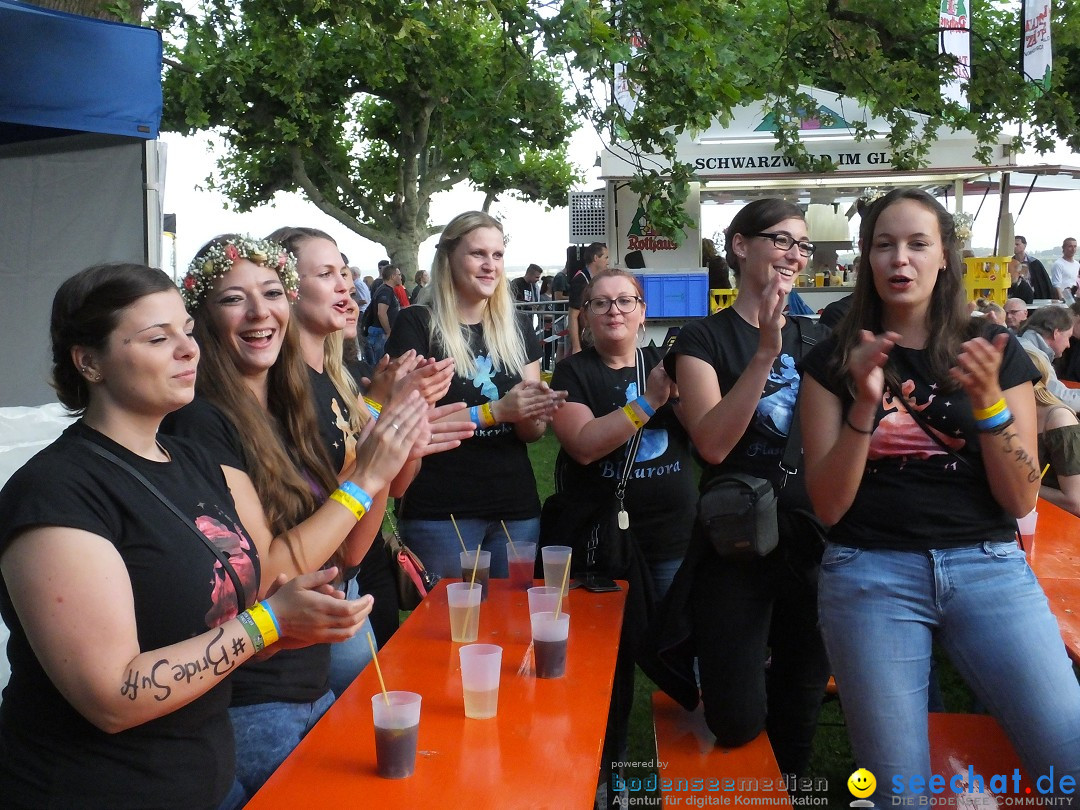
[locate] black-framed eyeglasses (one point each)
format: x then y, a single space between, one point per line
785 241
624 303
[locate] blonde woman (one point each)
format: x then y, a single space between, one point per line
497 372
1059 443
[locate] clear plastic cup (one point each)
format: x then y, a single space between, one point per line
463 599
542 599
483 570
397 726
549 635
556 560
521 559
481 665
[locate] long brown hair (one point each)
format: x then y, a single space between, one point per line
948 321
281 446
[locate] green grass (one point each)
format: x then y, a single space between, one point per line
832 758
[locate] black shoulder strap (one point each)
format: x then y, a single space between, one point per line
635 440
108 455
793 449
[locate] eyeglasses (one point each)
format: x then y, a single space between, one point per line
785 241
624 303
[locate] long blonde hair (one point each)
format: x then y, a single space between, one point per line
499 319
1043 396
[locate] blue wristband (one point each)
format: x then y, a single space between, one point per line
356 492
646 408
474 415
273 616
994 421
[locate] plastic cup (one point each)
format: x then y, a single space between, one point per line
521 559
483 571
556 558
464 601
480 668
549 636
396 730
1026 526
542 599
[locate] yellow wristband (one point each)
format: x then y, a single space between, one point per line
375 406
993 410
265 624
349 502
487 415
631 414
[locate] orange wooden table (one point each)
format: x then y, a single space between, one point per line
543 750
1054 556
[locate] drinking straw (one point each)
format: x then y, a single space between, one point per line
1047 467
378 669
458 533
511 542
476 563
562 588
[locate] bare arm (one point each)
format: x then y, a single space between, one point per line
73 596
1067 493
574 330
384 318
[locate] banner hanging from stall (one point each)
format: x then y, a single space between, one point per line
955 41
1037 57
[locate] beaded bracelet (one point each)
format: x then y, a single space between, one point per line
265 621
631 414
349 502
358 493
374 408
985 413
646 408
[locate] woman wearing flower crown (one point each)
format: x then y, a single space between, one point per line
254 413
125 622
912 409
496 358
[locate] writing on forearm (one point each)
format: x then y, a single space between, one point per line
220 657
1018 452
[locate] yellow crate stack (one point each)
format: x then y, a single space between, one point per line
987 277
721 298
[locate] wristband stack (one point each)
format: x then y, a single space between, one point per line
995 418
261 625
482 415
646 409
353 498
374 408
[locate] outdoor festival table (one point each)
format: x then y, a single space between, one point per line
1055 559
543 750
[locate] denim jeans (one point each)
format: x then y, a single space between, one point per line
880 611
266 733
436 543
376 341
236 799
663 572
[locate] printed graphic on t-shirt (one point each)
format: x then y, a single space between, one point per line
235 545
484 379
654 443
776 406
898 434
348 438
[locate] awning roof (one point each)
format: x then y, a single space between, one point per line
63 73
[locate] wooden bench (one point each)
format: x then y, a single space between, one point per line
689 763
976 741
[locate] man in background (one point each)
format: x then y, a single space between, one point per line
1040 279
1016 313
527 289
1064 271
596 261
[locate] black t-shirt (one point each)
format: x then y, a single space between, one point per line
578 284
913 495
333 417
728 343
523 291
385 295
661 495
489 475
293 676
50 755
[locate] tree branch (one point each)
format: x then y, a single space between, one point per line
300 175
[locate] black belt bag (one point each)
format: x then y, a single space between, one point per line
737 513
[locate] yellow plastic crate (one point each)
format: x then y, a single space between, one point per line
721 298
987 277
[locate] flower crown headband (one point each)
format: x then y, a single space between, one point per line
216 260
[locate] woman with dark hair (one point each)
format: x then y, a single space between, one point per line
496 361
254 415
607 401
738 385
123 625
1048 330
914 409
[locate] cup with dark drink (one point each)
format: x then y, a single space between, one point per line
397 725
520 558
483 569
550 632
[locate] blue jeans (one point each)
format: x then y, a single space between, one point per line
376 341
663 572
880 611
266 733
436 543
236 799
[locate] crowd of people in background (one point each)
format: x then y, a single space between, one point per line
279 403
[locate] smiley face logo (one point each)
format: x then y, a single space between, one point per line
861 783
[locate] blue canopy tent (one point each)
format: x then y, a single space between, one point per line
80 106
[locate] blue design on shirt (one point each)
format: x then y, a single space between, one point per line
654 443
775 408
484 377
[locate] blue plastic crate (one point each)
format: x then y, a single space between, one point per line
676 295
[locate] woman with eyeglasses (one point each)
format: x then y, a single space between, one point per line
488 479
751 622
606 404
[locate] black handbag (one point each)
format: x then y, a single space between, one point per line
598 533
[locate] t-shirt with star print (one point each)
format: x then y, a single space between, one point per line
52 756
487 476
915 496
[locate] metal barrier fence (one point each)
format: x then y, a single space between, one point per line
551 321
